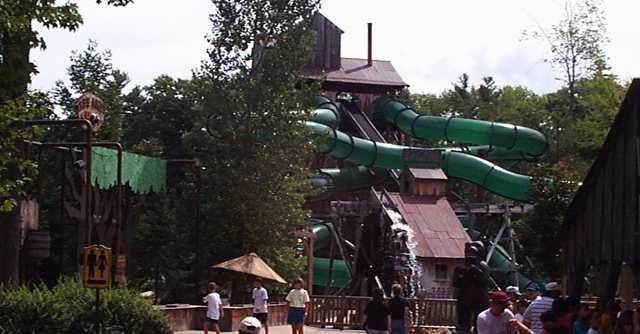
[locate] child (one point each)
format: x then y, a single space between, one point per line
297 299
214 309
260 298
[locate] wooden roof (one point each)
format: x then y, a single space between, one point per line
356 72
438 232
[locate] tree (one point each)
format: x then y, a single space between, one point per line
540 231
255 160
91 70
576 42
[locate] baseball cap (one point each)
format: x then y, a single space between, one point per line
250 325
498 296
553 286
513 289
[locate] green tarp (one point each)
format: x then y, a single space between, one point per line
141 173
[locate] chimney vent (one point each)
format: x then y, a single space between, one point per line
369 57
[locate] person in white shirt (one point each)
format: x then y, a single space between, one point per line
260 308
541 305
214 309
495 319
297 299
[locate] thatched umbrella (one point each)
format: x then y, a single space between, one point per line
251 264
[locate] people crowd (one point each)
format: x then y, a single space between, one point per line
551 313
509 312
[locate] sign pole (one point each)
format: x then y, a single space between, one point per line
98 315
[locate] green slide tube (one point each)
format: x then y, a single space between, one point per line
327 112
339 274
334 180
455 164
530 142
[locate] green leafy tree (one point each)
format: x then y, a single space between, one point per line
540 231
91 70
600 97
255 158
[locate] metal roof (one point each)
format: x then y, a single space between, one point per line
437 230
357 71
428 173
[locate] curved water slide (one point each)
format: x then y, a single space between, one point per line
456 164
506 139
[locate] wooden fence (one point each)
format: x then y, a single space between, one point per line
346 312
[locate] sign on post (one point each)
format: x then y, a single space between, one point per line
96 267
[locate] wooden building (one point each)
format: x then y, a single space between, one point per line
365 78
602 222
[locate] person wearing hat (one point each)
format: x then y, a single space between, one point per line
514 294
495 319
250 325
541 305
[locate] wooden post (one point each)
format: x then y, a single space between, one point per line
310 265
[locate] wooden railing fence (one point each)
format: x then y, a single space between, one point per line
346 312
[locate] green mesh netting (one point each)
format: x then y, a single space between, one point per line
143 174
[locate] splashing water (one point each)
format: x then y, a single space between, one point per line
399 227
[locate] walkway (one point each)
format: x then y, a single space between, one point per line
287 330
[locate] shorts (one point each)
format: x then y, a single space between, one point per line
262 316
397 326
211 321
295 316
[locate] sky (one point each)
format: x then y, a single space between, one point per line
429 42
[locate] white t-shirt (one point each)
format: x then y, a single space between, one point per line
213 305
260 298
535 310
298 297
488 323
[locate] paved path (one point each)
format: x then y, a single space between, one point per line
287 330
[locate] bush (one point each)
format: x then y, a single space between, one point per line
70 308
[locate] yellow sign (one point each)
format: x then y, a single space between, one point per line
96 267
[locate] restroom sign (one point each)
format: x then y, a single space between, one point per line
96 267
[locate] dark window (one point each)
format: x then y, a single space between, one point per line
442 272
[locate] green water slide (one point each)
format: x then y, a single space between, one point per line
339 180
338 276
519 140
454 163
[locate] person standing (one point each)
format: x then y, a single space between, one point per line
260 299
214 309
583 318
377 314
297 300
398 308
496 319
541 305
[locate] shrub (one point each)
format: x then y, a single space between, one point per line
70 308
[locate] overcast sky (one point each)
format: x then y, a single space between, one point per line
430 42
